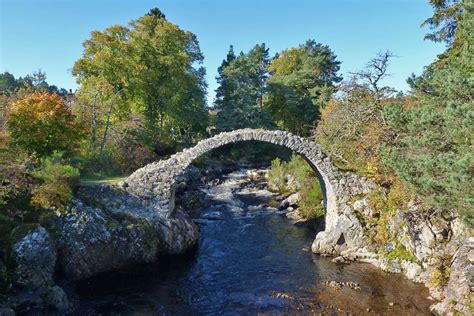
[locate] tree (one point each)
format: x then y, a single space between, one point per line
8 83
225 89
152 66
242 84
374 72
444 20
433 150
42 124
302 81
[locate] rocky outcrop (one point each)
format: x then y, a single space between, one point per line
173 235
33 257
177 234
343 231
458 294
91 242
32 262
427 246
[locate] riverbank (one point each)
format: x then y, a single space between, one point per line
250 259
395 234
98 235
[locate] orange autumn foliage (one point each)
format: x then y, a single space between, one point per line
41 123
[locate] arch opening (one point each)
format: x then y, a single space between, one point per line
155 183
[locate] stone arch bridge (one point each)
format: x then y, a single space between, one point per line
155 183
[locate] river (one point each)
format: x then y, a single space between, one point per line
250 260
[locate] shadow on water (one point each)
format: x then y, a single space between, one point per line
250 259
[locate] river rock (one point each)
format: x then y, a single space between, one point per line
292 200
55 297
176 234
92 242
33 256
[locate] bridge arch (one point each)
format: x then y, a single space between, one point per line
155 183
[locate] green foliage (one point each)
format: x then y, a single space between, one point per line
35 82
6 226
57 178
434 149
239 97
350 130
147 68
305 181
303 79
401 253
42 124
444 20
440 276
14 178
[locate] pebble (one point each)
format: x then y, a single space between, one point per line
339 285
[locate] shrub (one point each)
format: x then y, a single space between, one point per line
306 182
351 129
57 179
14 178
440 276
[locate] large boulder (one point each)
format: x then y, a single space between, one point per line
33 256
291 200
175 234
345 234
32 261
91 242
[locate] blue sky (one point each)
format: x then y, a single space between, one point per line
48 34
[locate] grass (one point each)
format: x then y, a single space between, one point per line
400 252
93 180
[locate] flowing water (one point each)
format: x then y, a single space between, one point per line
250 260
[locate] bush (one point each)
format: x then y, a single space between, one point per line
57 178
305 181
14 178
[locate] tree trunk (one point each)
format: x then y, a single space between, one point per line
107 124
94 125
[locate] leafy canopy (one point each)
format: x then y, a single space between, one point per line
242 82
151 66
434 149
302 81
